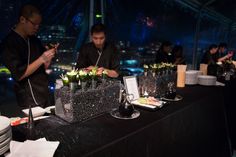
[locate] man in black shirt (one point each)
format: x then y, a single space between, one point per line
99 53
222 55
222 49
210 56
27 59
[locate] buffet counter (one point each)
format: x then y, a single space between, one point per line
193 127
229 95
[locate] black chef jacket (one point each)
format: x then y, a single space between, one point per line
211 60
162 56
15 58
109 59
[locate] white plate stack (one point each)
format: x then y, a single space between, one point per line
207 80
5 134
191 77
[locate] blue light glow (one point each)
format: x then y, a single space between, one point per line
131 62
135 70
77 20
177 42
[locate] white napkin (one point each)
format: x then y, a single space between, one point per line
38 148
219 83
48 109
36 111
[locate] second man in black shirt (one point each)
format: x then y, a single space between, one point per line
99 53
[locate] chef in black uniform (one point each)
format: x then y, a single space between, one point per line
27 59
99 53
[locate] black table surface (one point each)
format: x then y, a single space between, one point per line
230 106
193 127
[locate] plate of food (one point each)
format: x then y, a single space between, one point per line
149 102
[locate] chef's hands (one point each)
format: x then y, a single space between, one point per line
99 70
47 56
90 68
50 46
230 54
110 73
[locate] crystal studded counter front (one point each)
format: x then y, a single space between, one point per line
77 106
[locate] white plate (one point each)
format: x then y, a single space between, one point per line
191 77
5 136
207 80
36 111
4 124
5 130
193 71
5 142
4 149
219 83
135 102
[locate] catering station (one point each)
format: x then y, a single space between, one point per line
117 78
98 116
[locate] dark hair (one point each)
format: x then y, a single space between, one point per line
212 46
223 45
97 28
28 10
165 43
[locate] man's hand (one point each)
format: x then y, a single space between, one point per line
230 54
45 59
50 46
47 55
100 70
90 68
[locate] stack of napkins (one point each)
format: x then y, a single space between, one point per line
36 111
38 148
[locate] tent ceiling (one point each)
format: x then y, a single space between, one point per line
224 7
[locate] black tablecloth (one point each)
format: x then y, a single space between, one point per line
230 105
193 127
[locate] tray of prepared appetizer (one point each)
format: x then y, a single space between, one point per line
150 103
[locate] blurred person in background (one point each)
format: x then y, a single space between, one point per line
178 55
222 53
164 53
210 57
27 59
222 49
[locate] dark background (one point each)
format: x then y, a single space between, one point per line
136 27
136 23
